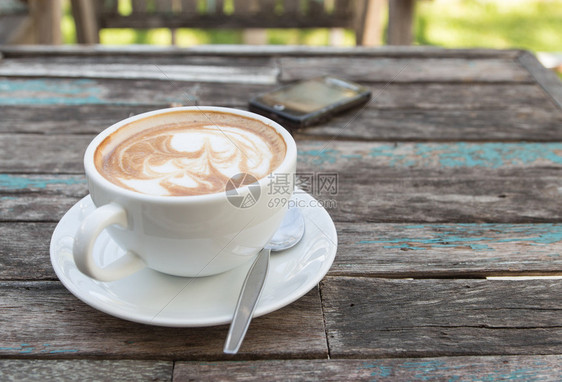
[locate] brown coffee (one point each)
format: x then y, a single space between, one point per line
188 152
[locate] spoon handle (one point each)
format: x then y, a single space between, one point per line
247 302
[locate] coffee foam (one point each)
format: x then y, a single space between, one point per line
188 153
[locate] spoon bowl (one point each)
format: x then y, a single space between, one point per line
289 233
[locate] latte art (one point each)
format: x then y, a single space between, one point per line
191 157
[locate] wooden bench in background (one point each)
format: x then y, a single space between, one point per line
361 16
30 22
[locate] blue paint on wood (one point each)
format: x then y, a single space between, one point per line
50 92
472 236
22 348
394 155
425 371
27 348
377 370
430 370
449 155
490 155
319 157
15 182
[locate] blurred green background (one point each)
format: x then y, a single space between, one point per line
535 25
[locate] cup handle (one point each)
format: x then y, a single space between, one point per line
89 230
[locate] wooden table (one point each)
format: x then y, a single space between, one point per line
451 175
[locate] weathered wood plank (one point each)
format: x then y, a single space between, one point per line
364 249
446 199
156 59
24 251
112 94
405 70
440 125
220 69
456 182
532 125
459 96
30 309
40 206
66 119
53 153
36 153
84 370
398 112
164 72
428 156
491 368
39 197
546 78
245 50
368 317
448 250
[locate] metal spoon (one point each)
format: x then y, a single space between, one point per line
289 233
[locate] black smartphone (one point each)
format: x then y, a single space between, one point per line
308 102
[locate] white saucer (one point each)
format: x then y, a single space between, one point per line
154 298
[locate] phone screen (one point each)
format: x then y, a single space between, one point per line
310 96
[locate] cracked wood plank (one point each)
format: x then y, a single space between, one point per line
422 182
247 73
364 249
490 368
369 317
30 309
84 370
448 250
405 69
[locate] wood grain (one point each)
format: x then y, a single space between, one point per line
229 51
39 197
359 69
447 199
398 111
393 183
45 154
405 70
213 61
447 250
165 72
62 153
451 173
451 199
368 317
491 368
66 119
24 251
364 249
115 94
473 112
30 309
534 125
21 370
53 154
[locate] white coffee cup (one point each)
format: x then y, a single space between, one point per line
191 236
